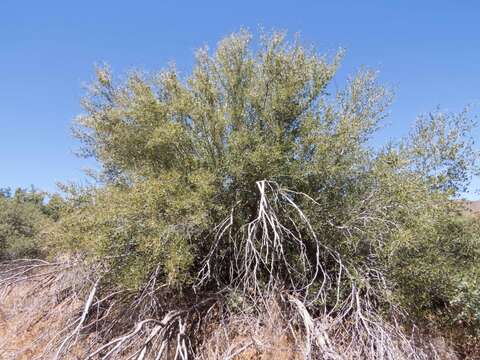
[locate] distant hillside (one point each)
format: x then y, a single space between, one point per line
474 206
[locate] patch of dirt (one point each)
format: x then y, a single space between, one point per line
26 322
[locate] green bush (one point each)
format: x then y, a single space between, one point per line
437 271
258 132
24 215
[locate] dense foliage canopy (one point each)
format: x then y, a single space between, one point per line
256 175
182 155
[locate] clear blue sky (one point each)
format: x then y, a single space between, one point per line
429 51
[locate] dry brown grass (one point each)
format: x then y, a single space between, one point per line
26 329
32 313
24 336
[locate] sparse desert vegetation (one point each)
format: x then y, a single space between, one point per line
244 212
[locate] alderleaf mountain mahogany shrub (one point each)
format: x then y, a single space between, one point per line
250 185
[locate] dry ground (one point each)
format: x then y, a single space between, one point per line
24 334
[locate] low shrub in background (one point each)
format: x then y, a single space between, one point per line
24 214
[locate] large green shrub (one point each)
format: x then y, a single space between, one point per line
254 172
